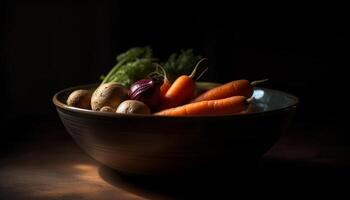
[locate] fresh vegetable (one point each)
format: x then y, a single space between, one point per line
147 91
133 71
136 64
181 91
107 109
170 88
164 87
166 82
131 66
228 105
133 107
180 63
108 94
202 87
79 99
233 88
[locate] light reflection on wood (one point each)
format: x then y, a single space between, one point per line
80 181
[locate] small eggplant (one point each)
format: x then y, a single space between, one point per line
146 91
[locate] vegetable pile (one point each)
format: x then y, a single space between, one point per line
137 84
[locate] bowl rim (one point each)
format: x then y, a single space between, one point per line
65 107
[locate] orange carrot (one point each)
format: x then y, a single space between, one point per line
164 87
161 75
181 91
228 105
233 88
166 83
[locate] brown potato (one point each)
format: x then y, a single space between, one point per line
133 107
108 94
80 99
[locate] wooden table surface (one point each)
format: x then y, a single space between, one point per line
51 166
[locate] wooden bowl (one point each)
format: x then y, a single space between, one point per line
157 145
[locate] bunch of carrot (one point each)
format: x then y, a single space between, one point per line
177 99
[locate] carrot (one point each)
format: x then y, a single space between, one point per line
228 105
166 83
164 87
233 88
180 91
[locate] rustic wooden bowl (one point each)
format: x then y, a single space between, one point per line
157 145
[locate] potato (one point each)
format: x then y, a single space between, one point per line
108 94
107 109
79 99
133 107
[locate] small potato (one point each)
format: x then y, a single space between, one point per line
108 94
80 99
107 109
133 107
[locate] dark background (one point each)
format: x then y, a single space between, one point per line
49 46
